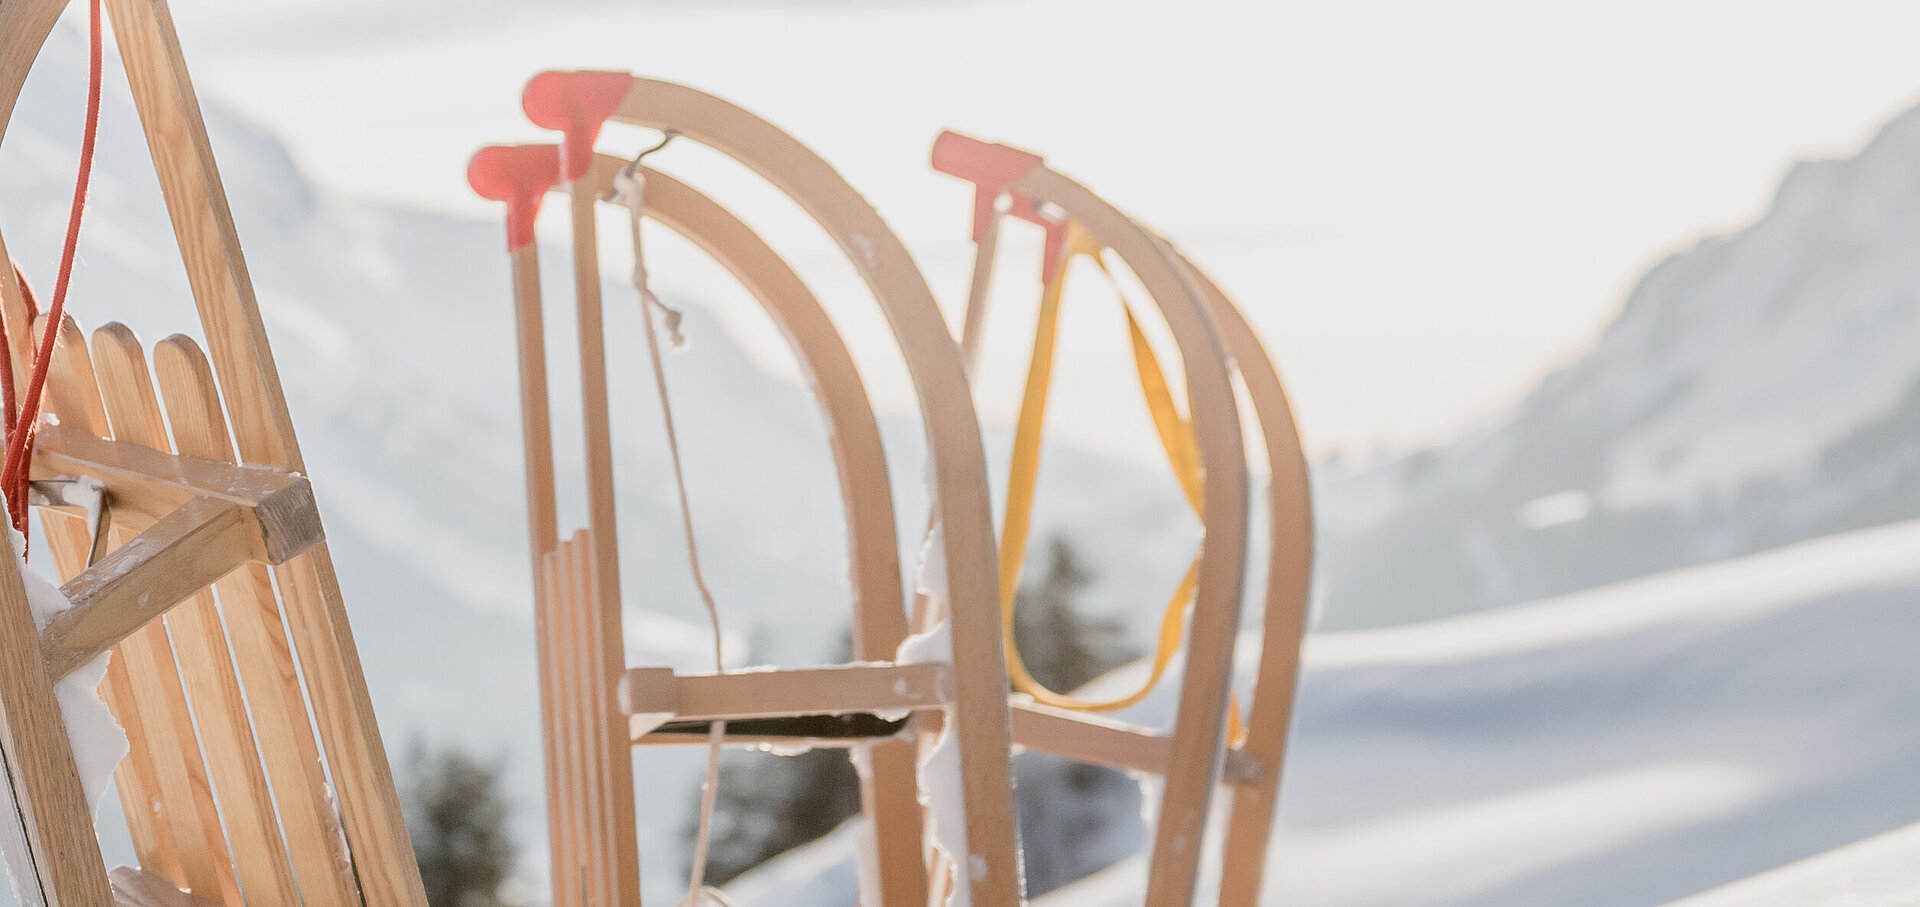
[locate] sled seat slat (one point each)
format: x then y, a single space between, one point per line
823 731
654 696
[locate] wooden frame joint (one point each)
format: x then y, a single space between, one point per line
180 554
144 486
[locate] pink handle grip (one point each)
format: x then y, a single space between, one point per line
577 103
993 168
519 175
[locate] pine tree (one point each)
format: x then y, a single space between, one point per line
457 819
1063 648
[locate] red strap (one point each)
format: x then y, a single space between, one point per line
993 168
577 103
519 175
13 477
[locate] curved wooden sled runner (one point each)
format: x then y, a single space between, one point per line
225 789
1215 343
596 711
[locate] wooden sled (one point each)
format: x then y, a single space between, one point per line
1216 345
256 773
595 706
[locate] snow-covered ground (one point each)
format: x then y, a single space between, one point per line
1626 745
1876 872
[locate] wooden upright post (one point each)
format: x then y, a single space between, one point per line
263 433
610 731
37 760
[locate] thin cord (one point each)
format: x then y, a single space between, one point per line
630 188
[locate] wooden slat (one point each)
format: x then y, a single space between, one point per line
185 795
263 433
608 652
575 758
598 879
609 760
576 779
536 427
39 761
143 579
563 736
73 392
239 778
12 304
261 651
204 667
76 399
200 647
785 692
139 888
757 741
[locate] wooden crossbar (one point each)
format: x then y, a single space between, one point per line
654 696
1098 740
145 485
139 581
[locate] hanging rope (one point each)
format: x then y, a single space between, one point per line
629 188
24 421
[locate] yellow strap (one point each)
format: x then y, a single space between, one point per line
1176 432
1176 436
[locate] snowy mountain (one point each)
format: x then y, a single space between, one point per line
1624 745
1755 390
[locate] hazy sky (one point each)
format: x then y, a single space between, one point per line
1424 206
